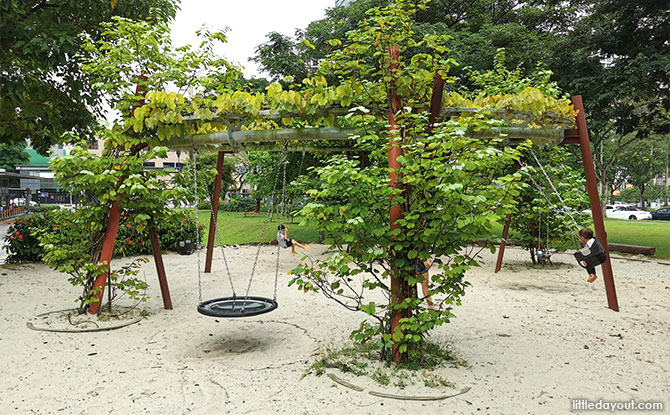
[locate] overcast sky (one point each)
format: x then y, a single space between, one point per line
249 21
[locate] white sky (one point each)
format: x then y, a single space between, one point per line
249 21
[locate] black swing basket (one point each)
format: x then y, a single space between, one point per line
228 307
185 247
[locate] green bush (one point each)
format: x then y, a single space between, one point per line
630 195
177 225
44 208
23 238
239 204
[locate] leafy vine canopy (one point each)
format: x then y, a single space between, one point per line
186 91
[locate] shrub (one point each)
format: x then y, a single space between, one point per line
44 208
177 225
239 204
23 238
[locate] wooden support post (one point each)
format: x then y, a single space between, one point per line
160 268
107 251
505 232
215 212
503 243
395 211
106 257
594 198
436 100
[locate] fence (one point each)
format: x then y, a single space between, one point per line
10 212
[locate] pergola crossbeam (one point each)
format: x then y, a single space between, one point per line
250 140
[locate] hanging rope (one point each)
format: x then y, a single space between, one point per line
566 209
302 160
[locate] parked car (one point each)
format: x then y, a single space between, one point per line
661 214
608 209
628 212
19 201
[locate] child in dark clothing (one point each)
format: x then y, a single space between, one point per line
285 242
591 255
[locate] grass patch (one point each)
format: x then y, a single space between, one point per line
363 360
632 232
641 232
236 229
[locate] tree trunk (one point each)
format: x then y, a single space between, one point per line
642 195
258 205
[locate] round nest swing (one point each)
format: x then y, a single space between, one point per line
237 306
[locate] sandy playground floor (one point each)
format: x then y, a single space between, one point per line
534 340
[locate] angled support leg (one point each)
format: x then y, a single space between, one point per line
503 243
594 199
160 268
215 212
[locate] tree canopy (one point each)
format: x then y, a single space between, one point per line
11 155
44 90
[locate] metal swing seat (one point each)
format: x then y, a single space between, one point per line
241 306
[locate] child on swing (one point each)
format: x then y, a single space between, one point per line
591 255
284 241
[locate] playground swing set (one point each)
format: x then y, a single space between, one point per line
245 306
233 140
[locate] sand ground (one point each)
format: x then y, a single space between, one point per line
534 340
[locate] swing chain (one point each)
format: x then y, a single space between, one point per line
282 212
217 232
197 224
267 218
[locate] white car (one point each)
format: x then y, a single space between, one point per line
628 212
21 202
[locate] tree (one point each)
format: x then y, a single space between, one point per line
451 188
299 56
265 174
206 172
641 162
11 155
44 91
133 62
612 52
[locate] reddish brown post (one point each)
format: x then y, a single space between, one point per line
594 198
436 99
106 257
215 212
110 236
160 268
503 242
107 251
395 212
